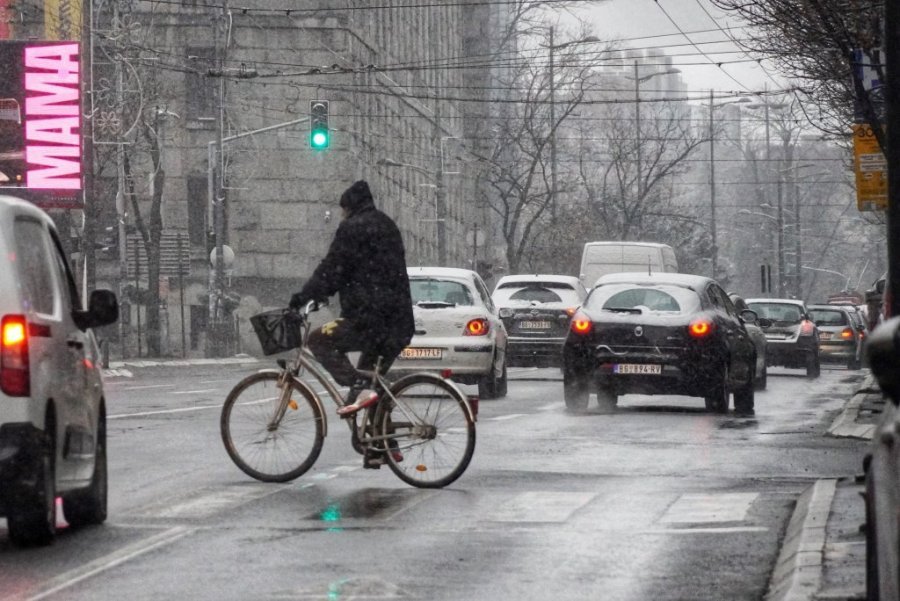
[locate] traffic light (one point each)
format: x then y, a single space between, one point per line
319 135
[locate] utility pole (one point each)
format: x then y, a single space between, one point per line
892 96
553 168
637 125
712 188
216 346
120 196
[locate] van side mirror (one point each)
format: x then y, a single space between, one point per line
883 351
103 309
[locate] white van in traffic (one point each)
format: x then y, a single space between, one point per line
601 258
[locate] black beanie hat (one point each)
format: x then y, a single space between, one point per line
356 196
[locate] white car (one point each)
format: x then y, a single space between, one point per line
457 329
52 409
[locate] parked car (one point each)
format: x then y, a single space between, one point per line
840 336
536 310
52 406
758 337
792 339
457 329
661 333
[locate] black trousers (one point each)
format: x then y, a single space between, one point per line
331 343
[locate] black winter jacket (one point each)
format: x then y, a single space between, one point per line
366 265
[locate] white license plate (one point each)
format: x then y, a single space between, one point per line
637 368
776 336
535 325
824 335
422 353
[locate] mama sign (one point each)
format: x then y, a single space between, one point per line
41 146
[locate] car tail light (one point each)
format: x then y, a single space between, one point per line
478 327
581 325
847 334
701 327
807 328
14 373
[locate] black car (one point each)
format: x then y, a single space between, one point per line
665 333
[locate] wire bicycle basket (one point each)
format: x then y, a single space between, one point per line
278 331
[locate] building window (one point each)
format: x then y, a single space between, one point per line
202 97
197 209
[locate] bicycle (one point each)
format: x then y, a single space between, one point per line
273 422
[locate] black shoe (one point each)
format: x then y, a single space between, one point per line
745 413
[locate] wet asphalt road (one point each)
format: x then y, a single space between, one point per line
660 501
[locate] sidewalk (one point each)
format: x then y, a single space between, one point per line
823 557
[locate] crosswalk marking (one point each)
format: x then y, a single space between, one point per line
535 506
702 508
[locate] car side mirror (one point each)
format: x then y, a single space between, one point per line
103 309
879 286
749 316
883 352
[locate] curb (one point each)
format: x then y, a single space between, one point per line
180 362
798 571
845 425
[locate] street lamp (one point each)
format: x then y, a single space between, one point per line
638 80
551 48
766 105
440 203
712 179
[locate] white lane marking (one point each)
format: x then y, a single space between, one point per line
112 560
550 407
148 386
113 373
501 418
715 507
536 506
205 503
219 381
195 391
733 530
163 411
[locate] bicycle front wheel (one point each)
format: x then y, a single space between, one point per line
429 430
271 434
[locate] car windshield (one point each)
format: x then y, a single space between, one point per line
537 292
655 298
431 290
828 317
778 312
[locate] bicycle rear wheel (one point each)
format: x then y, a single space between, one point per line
431 426
261 448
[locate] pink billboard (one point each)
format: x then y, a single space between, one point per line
41 146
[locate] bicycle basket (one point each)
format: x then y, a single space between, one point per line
278 331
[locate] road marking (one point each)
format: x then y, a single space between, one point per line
536 506
501 418
207 502
195 391
550 407
702 508
90 569
163 411
732 530
148 386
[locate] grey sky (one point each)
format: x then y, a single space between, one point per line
635 21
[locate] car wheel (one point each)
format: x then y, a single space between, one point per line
575 392
762 381
744 399
488 385
813 369
717 398
606 399
32 517
88 507
502 384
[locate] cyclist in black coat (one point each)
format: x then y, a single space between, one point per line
366 265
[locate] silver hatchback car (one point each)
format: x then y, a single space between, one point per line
52 408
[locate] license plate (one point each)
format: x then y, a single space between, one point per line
422 353
637 368
824 335
776 337
534 325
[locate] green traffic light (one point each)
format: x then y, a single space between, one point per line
319 139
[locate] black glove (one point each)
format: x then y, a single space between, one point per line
297 301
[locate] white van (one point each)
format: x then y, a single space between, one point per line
601 258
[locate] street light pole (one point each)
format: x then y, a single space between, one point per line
712 188
553 165
637 124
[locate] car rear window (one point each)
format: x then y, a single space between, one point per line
536 292
826 317
656 298
430 290
781 312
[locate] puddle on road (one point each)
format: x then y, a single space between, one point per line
365 504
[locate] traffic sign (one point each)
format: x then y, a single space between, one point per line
871 169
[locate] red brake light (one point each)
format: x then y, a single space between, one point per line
701 328
846 333
581 324
478 327
14 374
807 328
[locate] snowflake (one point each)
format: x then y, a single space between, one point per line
108 122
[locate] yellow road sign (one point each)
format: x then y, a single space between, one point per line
871 169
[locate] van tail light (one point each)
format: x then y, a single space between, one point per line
807 328
701 327
847 334
478 327
581 325
15 378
